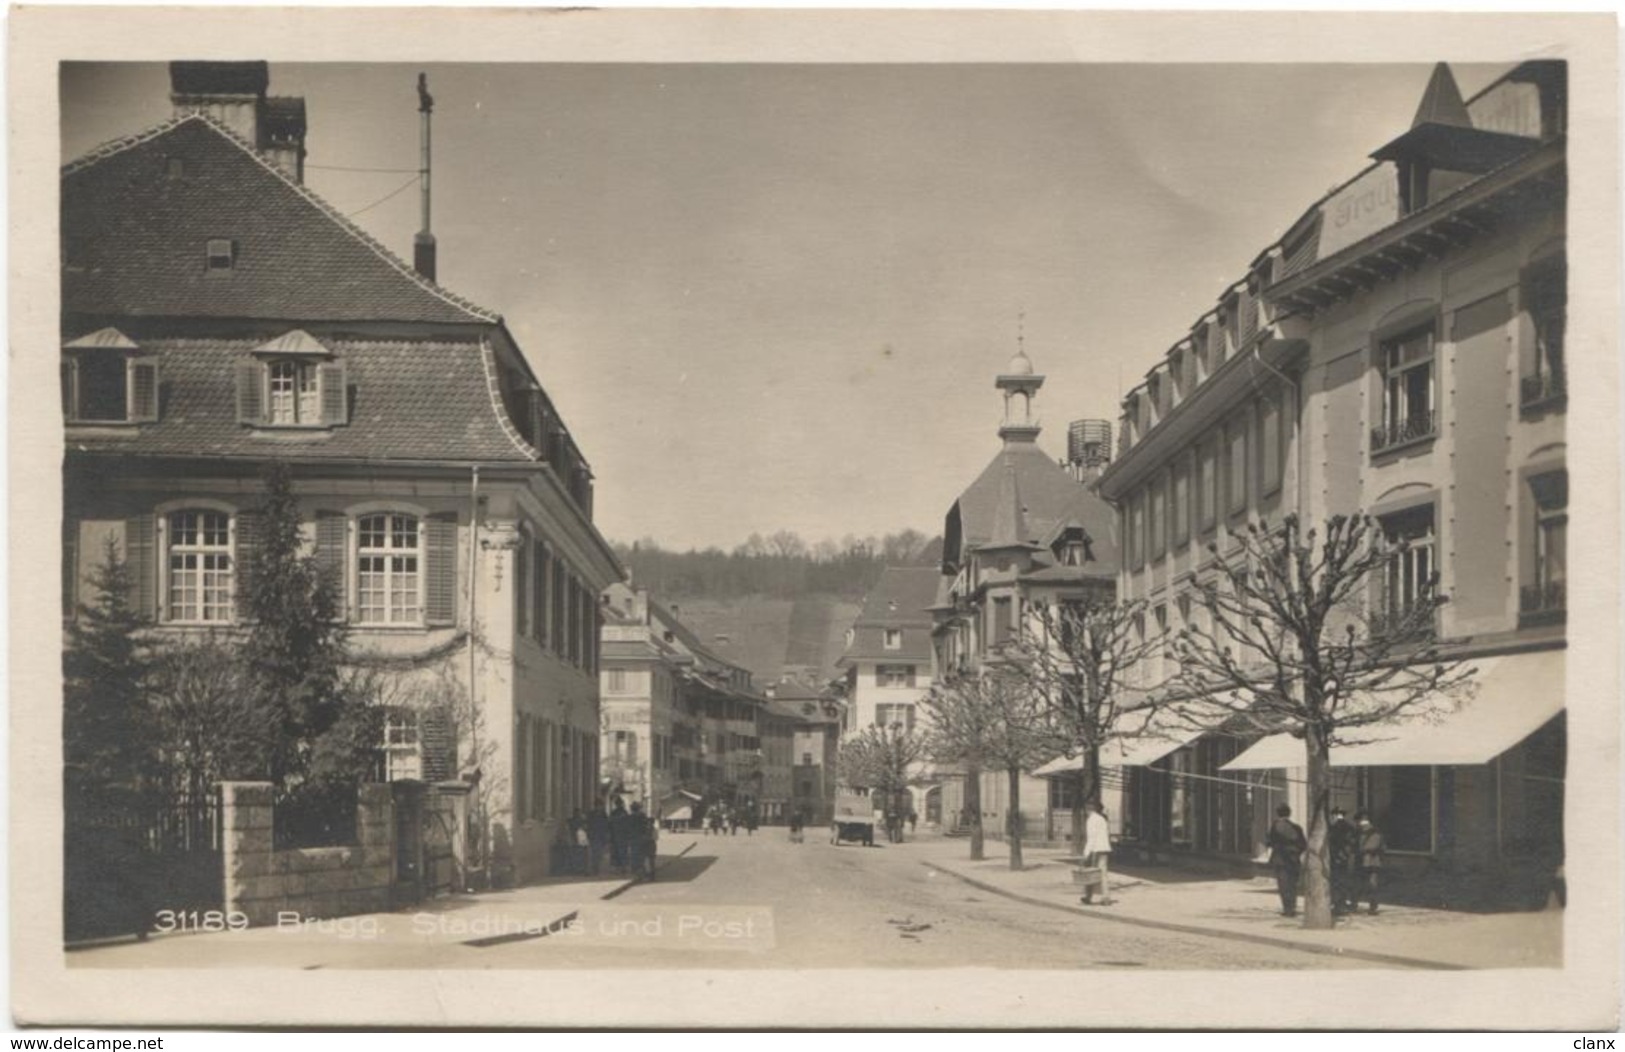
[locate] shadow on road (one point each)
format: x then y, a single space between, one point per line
684 869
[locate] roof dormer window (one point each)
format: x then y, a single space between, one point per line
292 382
106 380
220 255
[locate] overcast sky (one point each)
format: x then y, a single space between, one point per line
770 297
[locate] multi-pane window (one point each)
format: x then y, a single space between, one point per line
1549 593
1407 389
1408 575
1546 293
1181 510
1136 532
890 716
1269 446
1235 444
1157 519
200 566
1003 626
1207 485
389 558
402 756
894 675
293 393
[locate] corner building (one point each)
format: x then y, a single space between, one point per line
218 315
1398 352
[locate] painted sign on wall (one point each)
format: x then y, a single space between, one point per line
1359 210
1510 108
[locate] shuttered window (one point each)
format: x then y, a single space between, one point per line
389 565
292 392
107 387
139 542
440 601
538 593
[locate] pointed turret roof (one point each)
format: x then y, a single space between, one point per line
1009 514
1442 134
1441 102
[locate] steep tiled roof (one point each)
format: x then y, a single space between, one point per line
409 400
901 597
899 600
137 215
1051 498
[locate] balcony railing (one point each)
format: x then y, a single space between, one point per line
1542 389
1542 602
1413 428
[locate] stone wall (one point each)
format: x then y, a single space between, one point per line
262 882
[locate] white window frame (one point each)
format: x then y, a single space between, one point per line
1403 577
166 571
1397 412
403 744
301 403
360 553
891 638
895 677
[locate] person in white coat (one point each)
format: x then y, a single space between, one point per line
1097 851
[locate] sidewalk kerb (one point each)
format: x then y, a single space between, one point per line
1195 929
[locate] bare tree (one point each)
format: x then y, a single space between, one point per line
786 544
1080 654
878 759
988 721
1327 636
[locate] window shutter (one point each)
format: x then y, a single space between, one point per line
250 395
331 537
140 553
440 603
538 594
333 380
144 390
248 539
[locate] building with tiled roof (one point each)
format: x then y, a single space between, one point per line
217 315
1027 532
1398 352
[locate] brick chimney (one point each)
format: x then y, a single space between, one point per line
233 94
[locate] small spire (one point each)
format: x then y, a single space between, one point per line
1441 102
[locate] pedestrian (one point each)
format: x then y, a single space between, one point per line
1097 852
1286 843
597 837
640 843
1368 861
620 835
1343 840
750 822
913 820
796 822
733 823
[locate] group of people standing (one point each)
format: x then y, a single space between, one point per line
627 838
726 821
1356 849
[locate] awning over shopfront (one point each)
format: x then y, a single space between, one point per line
1159 739
1517 694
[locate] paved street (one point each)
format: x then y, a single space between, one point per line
731 902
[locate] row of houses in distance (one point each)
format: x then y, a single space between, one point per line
684 728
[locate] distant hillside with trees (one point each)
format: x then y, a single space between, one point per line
782 565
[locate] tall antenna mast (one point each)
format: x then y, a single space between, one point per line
423 247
